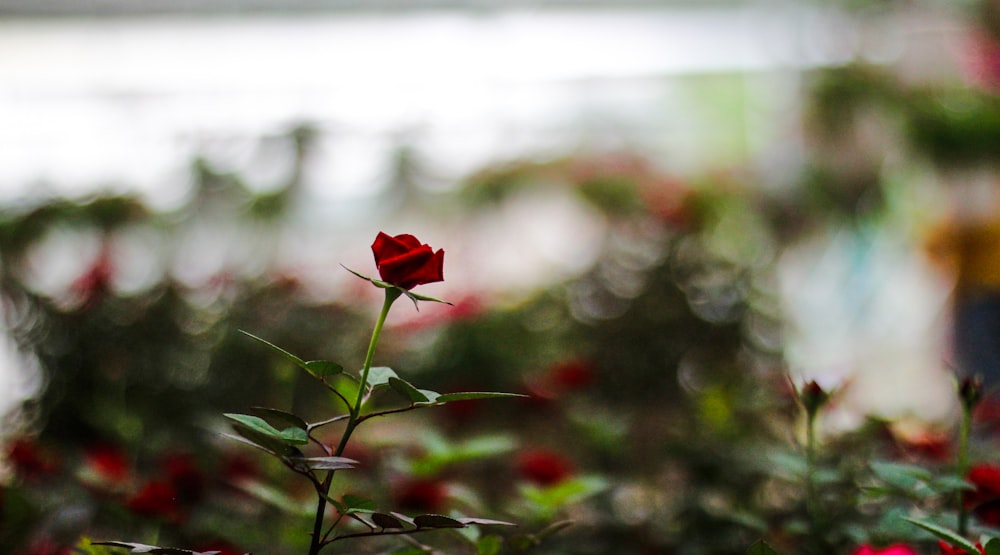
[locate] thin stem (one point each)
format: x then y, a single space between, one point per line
812 500
319 539
963 466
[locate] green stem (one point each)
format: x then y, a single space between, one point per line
810 461
318 542
963 466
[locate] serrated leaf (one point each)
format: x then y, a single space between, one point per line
379 375
436 521
760 547
325 463
484 522
386 521
992 547
323 368
291 435
280 415
475 395
407 390
946 535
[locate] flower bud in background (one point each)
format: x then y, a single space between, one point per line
970 391
813 397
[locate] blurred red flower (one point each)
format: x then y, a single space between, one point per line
561 378
405 262
237 467
157 499
107 465
543 467
895 549
423 495
984 501
222 547
47 547
29 460
947 549
183 474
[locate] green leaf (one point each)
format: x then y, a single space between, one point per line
376 282
992 547
406 389
291 435
264 442
489 545
323 368
760 547
379 375
903 476
294 359
475 395
565 492
354 504
437 521
946 535
280 415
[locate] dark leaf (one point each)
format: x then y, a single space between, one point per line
386 521
992 547
404 518
760 547
437 521
484 522
143 548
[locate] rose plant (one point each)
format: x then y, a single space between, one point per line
403 262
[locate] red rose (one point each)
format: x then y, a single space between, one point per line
543 467
405 262
895 549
